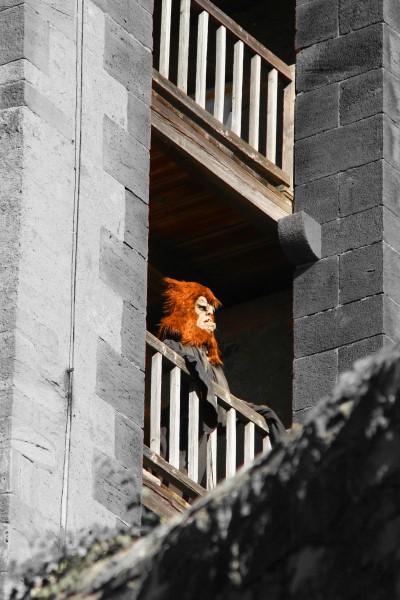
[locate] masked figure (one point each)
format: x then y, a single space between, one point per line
188 328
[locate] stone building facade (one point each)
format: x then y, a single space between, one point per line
75 87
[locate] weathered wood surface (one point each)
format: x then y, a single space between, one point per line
317 518
161 500
250 196
219 132
156 463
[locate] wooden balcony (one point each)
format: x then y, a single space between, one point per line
168 484
223 105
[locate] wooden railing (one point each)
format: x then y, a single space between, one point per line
167 369
229 74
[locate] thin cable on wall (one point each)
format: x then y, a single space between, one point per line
79 30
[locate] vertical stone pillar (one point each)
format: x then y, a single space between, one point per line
74 147
346 305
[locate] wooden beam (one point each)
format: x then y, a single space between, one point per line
161 500
155 463
272 174
247 193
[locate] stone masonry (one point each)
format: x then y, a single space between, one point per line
75 81
347 149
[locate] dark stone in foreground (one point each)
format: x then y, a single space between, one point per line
317 518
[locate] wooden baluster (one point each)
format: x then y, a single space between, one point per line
219 99
248 442
237 87
155 402
288 128
193 438
212 460
272 114
174 416
183 51
254 118
165 39
230 442
266 444
201 64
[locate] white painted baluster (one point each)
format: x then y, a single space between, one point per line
183 51
272 114
230 442
248 442
237 87
266 444
220 60
174 416
193 443
288 128
201 65
155 402
165 39
212 460
254 117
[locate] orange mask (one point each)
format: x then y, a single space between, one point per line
180 317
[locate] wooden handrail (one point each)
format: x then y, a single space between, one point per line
246 38
228 400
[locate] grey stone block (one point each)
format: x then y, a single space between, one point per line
360 229
341 58
338 327
391 50
361 273
361 188
313 378
315 287
391 96
391 142
319 198
133 335
361 349
127 60
132 17
147 5
391 228
391 14
356 15
119 382
136 223
317 111
24 34
300 238
301 416
128 443
391 187
391 322
125 159
361 97
117 488
21 93
123 269
139 125
316 21
339 149
391 273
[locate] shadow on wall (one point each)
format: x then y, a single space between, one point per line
256 340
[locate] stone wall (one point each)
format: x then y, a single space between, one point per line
346 305
75 80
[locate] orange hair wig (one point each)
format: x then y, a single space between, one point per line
180 317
